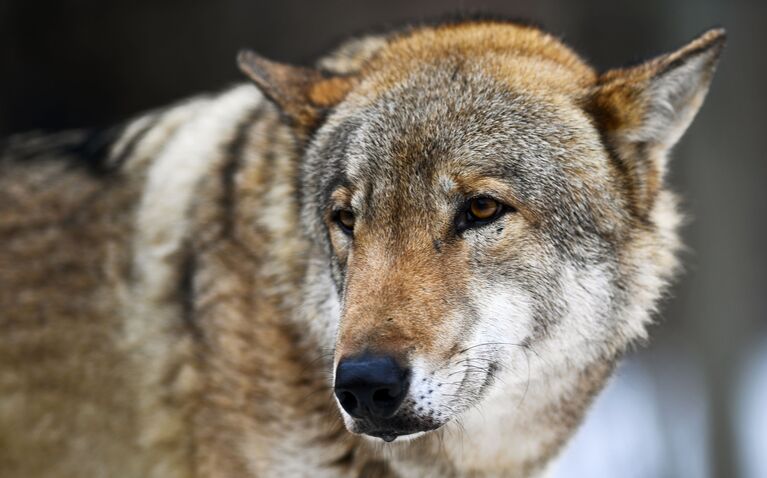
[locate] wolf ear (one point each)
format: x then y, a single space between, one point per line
642 111
302 94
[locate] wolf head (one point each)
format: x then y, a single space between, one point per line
491 210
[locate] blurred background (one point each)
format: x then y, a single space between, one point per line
693 403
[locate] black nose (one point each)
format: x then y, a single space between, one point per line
371 386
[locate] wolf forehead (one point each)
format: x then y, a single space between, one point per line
453 116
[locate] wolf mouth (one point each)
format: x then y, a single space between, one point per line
401 425
390 435
387 436
404 426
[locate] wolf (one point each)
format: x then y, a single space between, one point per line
421 257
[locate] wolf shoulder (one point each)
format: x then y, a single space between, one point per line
80 212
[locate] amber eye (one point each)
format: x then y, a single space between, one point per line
345 220
479 211
483 209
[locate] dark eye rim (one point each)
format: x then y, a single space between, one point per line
466 220
336 216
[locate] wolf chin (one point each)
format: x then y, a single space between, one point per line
422 257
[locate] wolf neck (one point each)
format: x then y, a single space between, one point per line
216 173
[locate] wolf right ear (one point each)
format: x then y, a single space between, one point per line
642 111
302 94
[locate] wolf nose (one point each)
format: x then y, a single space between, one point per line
371 386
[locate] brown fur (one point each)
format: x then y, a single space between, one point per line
168 318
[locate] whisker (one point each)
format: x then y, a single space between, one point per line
487 344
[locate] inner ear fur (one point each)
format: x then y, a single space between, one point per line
642 111
303 95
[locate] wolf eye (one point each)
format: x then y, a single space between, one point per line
483 209
345 220
479 211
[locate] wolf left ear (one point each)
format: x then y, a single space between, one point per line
302 94
642 111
